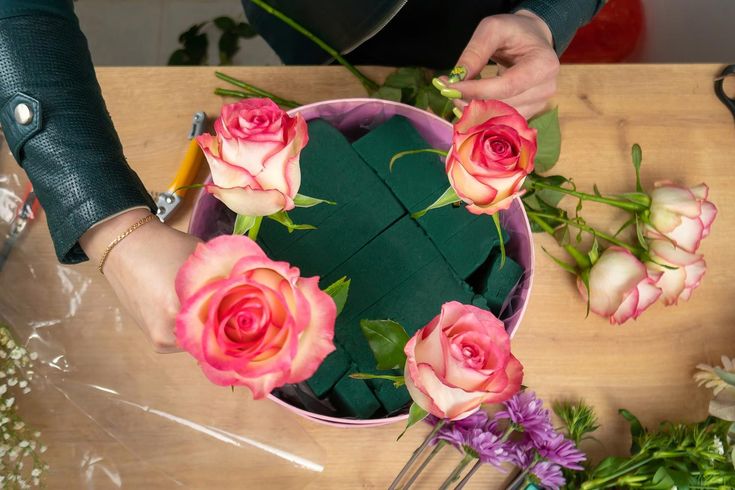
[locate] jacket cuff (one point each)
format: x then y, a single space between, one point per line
563 17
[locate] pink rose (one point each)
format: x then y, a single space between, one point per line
492 152
254 159
459 361
620 286
683 215
249 320
675 283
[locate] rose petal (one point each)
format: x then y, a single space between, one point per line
212 261
615 273
250 202
468 188
688 234
514 373
191 319
260 386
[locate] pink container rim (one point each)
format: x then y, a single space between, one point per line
363 112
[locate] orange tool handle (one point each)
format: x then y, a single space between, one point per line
188 169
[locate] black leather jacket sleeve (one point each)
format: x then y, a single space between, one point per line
63 138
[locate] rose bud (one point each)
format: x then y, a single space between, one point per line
620 287
682 215
249 320
492 153
459 361
683 274
254 158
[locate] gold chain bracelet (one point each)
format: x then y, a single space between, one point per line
120 238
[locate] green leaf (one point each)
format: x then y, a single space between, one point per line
229 45
594 252
501 241
408 80
636 197
243 224
283 218
338 290
548 141
415 414
180 58
726 376
636 429
637 156
422 98
560 263
387 340
302 201
640 232
224 23
439 105
388 93
245 30
402 154
449 197
397 381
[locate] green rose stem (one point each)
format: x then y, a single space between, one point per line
626 205
225 92
601 482
416 454
540 217
369 85
454 475
255 90
253 232
424 464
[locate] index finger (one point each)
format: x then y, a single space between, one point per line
528 73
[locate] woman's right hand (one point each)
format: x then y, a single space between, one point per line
142 271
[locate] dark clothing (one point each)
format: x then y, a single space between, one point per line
69 147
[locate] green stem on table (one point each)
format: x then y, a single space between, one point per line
424 464
454 475
626 205
539 217
225 92
416 454
594 484
255 90
369 85
469 475
253 232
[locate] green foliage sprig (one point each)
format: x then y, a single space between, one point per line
195 43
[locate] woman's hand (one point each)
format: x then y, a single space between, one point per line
142 270
522 46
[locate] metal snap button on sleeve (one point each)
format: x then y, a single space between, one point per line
23 114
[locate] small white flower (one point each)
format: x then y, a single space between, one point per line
719 448
33 356
23 384
16 353
2 374
24 444
12 381
36 472
26 391
3 389
9 402
18 426
43 449
37 434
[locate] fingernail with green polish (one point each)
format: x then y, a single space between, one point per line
451 93
457 74
438 84
457 112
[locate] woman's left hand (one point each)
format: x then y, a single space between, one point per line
522 46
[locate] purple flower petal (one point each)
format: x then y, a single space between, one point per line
527 414
488 446
561 451
547 475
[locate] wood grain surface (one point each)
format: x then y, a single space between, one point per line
114 414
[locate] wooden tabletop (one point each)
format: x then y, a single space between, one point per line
117 414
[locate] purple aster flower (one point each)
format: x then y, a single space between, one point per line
451 434
521 453
476 420
527 414
547 475
488 446
561 451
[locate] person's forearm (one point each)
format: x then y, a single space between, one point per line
56 123
563 17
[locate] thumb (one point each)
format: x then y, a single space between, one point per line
483 44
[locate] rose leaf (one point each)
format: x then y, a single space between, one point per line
397 381
338 291
302 201
415 414
449 197
726 376
387 340
548 140
243 224
283 218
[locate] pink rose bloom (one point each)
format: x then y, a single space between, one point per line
492 152
682 215
254 159
675 283
620 286
459 361
249 320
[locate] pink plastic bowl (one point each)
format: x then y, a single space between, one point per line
355 116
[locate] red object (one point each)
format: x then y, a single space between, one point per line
611 36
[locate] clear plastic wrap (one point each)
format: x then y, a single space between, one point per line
112 412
